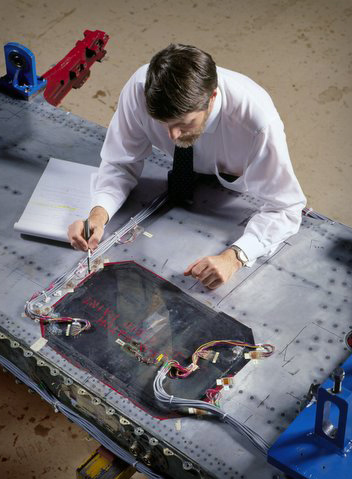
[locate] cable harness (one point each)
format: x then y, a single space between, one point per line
78 325
81 421
172 368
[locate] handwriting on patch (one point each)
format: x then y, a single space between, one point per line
126 330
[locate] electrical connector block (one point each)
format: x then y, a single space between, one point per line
198 412
98 264
206 354
74 328
215 358
257 354
209 355
194 367
226 383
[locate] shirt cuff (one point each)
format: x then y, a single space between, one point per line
251 246
109 203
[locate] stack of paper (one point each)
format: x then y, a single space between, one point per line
61 196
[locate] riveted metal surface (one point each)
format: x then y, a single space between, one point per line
299 299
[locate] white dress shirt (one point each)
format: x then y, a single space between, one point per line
244 136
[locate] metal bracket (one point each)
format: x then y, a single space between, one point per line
333 420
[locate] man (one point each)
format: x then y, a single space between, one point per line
183 99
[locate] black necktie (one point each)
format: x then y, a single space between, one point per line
181 178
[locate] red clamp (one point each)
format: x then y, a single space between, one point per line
73 70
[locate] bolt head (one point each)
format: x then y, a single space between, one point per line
338 373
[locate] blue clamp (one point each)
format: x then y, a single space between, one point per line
318 443
21 76
333 420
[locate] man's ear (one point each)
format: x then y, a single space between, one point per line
212 97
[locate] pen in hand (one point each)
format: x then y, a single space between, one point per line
86 237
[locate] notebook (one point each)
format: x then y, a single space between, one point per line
61 196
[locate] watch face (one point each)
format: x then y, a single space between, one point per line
241 256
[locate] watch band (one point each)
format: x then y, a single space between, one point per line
240 254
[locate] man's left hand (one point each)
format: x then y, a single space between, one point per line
213 271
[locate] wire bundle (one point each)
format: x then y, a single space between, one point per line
31 307
170 368
213 396
82 422
313 214
75 325
204 352
189 406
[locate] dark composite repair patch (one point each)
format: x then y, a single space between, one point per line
137 316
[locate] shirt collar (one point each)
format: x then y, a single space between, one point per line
214 117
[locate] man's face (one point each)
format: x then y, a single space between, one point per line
186 130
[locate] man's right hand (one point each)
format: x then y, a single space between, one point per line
98 217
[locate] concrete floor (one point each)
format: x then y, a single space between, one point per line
299 50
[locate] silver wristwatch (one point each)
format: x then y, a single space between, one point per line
240 254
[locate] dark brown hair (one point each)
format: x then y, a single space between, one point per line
180 79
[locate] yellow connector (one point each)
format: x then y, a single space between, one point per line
254 355
198 412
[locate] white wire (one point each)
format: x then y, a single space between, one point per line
185 404
313 214
113 239
160 394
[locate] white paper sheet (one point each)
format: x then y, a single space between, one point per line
61 196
